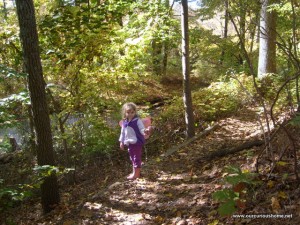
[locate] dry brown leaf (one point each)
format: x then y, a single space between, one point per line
275 205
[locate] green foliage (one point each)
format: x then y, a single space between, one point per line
10 196
89 135
41 172
5 145
211 55
6 73
295 121
46 170
228 199
217 101
11 81
234 197
13 109
100 139
13 99
236 176
269 89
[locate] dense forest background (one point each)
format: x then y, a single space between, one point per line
96 55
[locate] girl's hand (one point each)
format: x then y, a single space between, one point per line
148 130
121 146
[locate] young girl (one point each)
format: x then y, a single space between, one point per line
132 135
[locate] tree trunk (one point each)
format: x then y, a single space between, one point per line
267 38
32 144
187 95
242 22
14 144
296 49
165 59
156 56
4 10
165 48
242 29
226 21
36 84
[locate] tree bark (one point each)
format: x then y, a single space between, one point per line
156 56
4 10
36 85
14 144
187 94
226 21
267 40
165 48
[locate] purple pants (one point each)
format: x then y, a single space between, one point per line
135 154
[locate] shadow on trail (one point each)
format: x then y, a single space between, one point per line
171 198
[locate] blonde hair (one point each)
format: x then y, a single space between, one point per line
126 106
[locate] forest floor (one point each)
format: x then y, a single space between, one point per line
177 189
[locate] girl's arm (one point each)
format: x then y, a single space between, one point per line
141 126
122 138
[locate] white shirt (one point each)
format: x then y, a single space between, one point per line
128 135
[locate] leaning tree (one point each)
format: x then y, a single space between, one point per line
36 85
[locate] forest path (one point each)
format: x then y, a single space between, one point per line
175 189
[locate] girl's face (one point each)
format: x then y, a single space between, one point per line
130 113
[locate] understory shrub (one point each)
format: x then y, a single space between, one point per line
216 101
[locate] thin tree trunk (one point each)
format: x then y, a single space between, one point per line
226 20
267 40
187 95
165 48
165 59
156 56
295 52
253 32
36 84
4 10
242 23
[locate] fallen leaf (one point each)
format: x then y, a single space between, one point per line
215 222
146 216
178 214
86 213
158 219
270 184
281 163
282 194
69 222
275 205
169 194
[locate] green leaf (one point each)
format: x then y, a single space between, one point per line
227 208
233 169
224 195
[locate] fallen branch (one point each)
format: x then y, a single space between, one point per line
173 149
228 151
